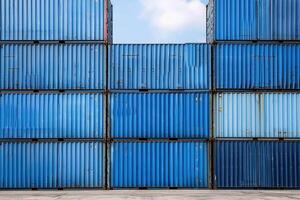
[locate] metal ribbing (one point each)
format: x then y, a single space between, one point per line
279 164
235 20
236 115
52 20
51 165
52 66
28 165
272 20
81 165
281 115
257 66
279 20
32 59
165 66
159 115
262 115
235 164
240 114
159 164
51 115
264 164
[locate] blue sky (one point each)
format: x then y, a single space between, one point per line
159 21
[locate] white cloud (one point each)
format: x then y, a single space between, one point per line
171 16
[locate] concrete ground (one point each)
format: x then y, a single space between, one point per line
150 194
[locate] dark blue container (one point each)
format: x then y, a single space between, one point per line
159 115
257 66
257 164
159 164
229 20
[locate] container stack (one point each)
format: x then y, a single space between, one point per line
52 101
256 95
159 115
79 112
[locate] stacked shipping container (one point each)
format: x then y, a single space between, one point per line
159 115
255 93
52 102
60 20
79 112
253 20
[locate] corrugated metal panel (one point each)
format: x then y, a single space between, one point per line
235 164
52 66
245 164
53 20
159 164
51 115
235 20
26 165
163 66
257 66
279 164
236 115
159 115
254 20
81 165
267 115
279 20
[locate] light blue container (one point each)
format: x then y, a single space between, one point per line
253 164
51 115
256 115
55 20
159 164
160 115
52 66
232 20
51 165
159 66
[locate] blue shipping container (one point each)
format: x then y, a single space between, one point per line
159 115
257 115
81 165
162 66
257 66
229 20
50 115
52 66
257 164
159 164
55 20
42 165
